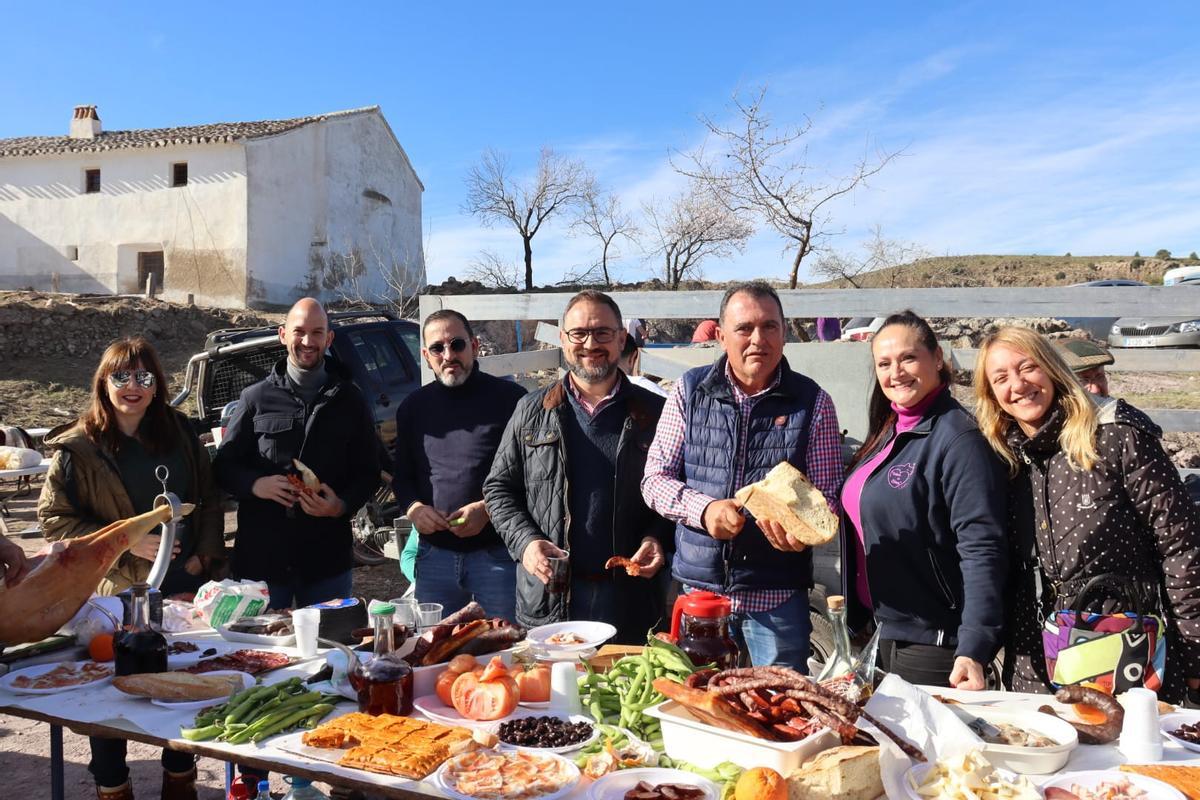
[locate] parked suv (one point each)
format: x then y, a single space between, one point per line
378 348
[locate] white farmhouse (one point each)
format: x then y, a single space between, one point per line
236 214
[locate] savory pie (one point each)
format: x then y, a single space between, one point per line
389 744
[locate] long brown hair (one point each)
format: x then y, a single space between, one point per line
1078 436
100 421
880 416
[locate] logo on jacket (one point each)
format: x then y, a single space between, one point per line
781 420
1085 502
900 475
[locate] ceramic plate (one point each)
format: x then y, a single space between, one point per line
564 749
189 705
592 634
447 785
1154 789
917 773
255 638
1171 722
38 669
432 707
614 785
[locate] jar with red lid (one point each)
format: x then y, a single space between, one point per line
700 626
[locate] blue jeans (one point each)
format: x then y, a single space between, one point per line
296 594
779 636
487 576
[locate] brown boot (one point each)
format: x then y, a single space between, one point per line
179 785
122 792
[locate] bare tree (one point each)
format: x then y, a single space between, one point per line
601 216
492 270
495 196
765 172
384 276
691 227
878 253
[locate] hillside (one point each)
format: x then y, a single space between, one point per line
987 270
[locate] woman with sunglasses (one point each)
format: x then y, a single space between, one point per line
104 470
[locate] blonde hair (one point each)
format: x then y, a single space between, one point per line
1078 435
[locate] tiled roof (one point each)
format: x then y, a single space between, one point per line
217 133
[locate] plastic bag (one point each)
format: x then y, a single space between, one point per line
223 602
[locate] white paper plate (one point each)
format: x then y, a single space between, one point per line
564 749
917 773
1170 722
1155 789
593 634
187 659
614 785
188 705
543 654
447 786
255 638
6 681
432 706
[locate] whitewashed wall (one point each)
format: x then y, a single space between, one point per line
200 227
337 192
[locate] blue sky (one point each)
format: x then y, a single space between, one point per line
1025 128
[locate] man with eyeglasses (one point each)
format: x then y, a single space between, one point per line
447 433
564 485
307 408
725 426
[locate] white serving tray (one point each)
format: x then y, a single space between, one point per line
1029 760
687 739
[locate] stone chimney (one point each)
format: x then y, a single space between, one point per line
85 124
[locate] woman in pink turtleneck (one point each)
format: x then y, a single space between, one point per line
924 513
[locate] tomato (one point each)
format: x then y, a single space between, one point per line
495 669
445 683
462 663
483 700
533 684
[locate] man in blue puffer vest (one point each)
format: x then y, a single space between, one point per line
724 426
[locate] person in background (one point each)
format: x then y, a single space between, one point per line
706 331
924 522
447 433
630 358
1087 360
103 471
307 408
565 478
725 426
635 329
829 329
1093 493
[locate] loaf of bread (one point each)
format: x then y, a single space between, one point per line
843 773
178 686
787 497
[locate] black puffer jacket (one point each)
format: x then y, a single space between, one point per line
527 498
1129 515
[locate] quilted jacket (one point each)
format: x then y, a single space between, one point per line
1129 515
527 490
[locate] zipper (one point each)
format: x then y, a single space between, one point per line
562 454
942 583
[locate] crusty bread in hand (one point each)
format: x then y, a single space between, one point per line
178 686
787 497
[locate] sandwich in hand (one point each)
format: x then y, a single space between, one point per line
306 481
787 497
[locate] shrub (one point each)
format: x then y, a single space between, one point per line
1193 257
1137 263
1068 255
1059 276
1137 254
1164 254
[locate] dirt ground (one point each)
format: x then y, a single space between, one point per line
25 744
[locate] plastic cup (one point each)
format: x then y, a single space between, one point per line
560 573
1141 739
429 614
406 612
306 622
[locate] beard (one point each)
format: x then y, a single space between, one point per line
453 381
592 374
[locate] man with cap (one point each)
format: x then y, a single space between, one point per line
1087 360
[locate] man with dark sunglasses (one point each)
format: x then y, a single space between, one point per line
446 436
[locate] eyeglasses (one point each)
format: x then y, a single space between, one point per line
601 335
121 378
456 345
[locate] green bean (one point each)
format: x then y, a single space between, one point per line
253 697
202 734
319 710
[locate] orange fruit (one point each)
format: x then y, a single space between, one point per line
1089 714
760 783
101 647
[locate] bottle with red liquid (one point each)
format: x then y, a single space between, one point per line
385 682
139 648
700 626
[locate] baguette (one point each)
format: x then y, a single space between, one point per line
178 686
786 496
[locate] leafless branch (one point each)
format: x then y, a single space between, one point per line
602 217
492 270
878 253
691 227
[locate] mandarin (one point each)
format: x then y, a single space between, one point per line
761 783
100 648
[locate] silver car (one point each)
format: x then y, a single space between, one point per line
1158 331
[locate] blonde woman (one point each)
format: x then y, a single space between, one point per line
1093 494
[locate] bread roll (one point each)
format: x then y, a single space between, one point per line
787 497
178 686
843 773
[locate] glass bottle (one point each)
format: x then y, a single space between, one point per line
385 682
841 661
139 648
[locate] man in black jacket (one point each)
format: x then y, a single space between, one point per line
446 436
566 478
299 542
